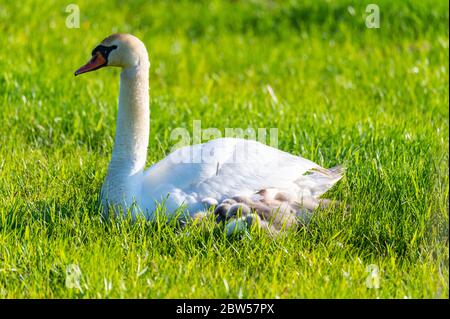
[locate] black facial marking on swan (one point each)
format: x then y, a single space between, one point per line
104 51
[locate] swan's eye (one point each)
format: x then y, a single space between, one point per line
104 50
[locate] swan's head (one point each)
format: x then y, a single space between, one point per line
121 50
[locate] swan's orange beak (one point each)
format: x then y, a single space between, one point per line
97 61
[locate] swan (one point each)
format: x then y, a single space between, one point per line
244 180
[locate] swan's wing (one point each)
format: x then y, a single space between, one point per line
226 167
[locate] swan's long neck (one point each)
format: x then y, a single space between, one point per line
132 134
133 122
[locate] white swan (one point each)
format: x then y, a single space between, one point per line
199 175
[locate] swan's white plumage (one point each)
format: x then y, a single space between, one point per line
225 173
214 171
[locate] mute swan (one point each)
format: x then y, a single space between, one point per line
247 178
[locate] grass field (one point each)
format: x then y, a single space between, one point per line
373 99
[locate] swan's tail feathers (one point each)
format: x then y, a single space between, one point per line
318 180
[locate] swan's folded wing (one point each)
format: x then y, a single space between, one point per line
224 167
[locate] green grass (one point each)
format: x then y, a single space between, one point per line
374 99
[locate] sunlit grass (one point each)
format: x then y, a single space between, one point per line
373 99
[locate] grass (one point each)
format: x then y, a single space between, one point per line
374 99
